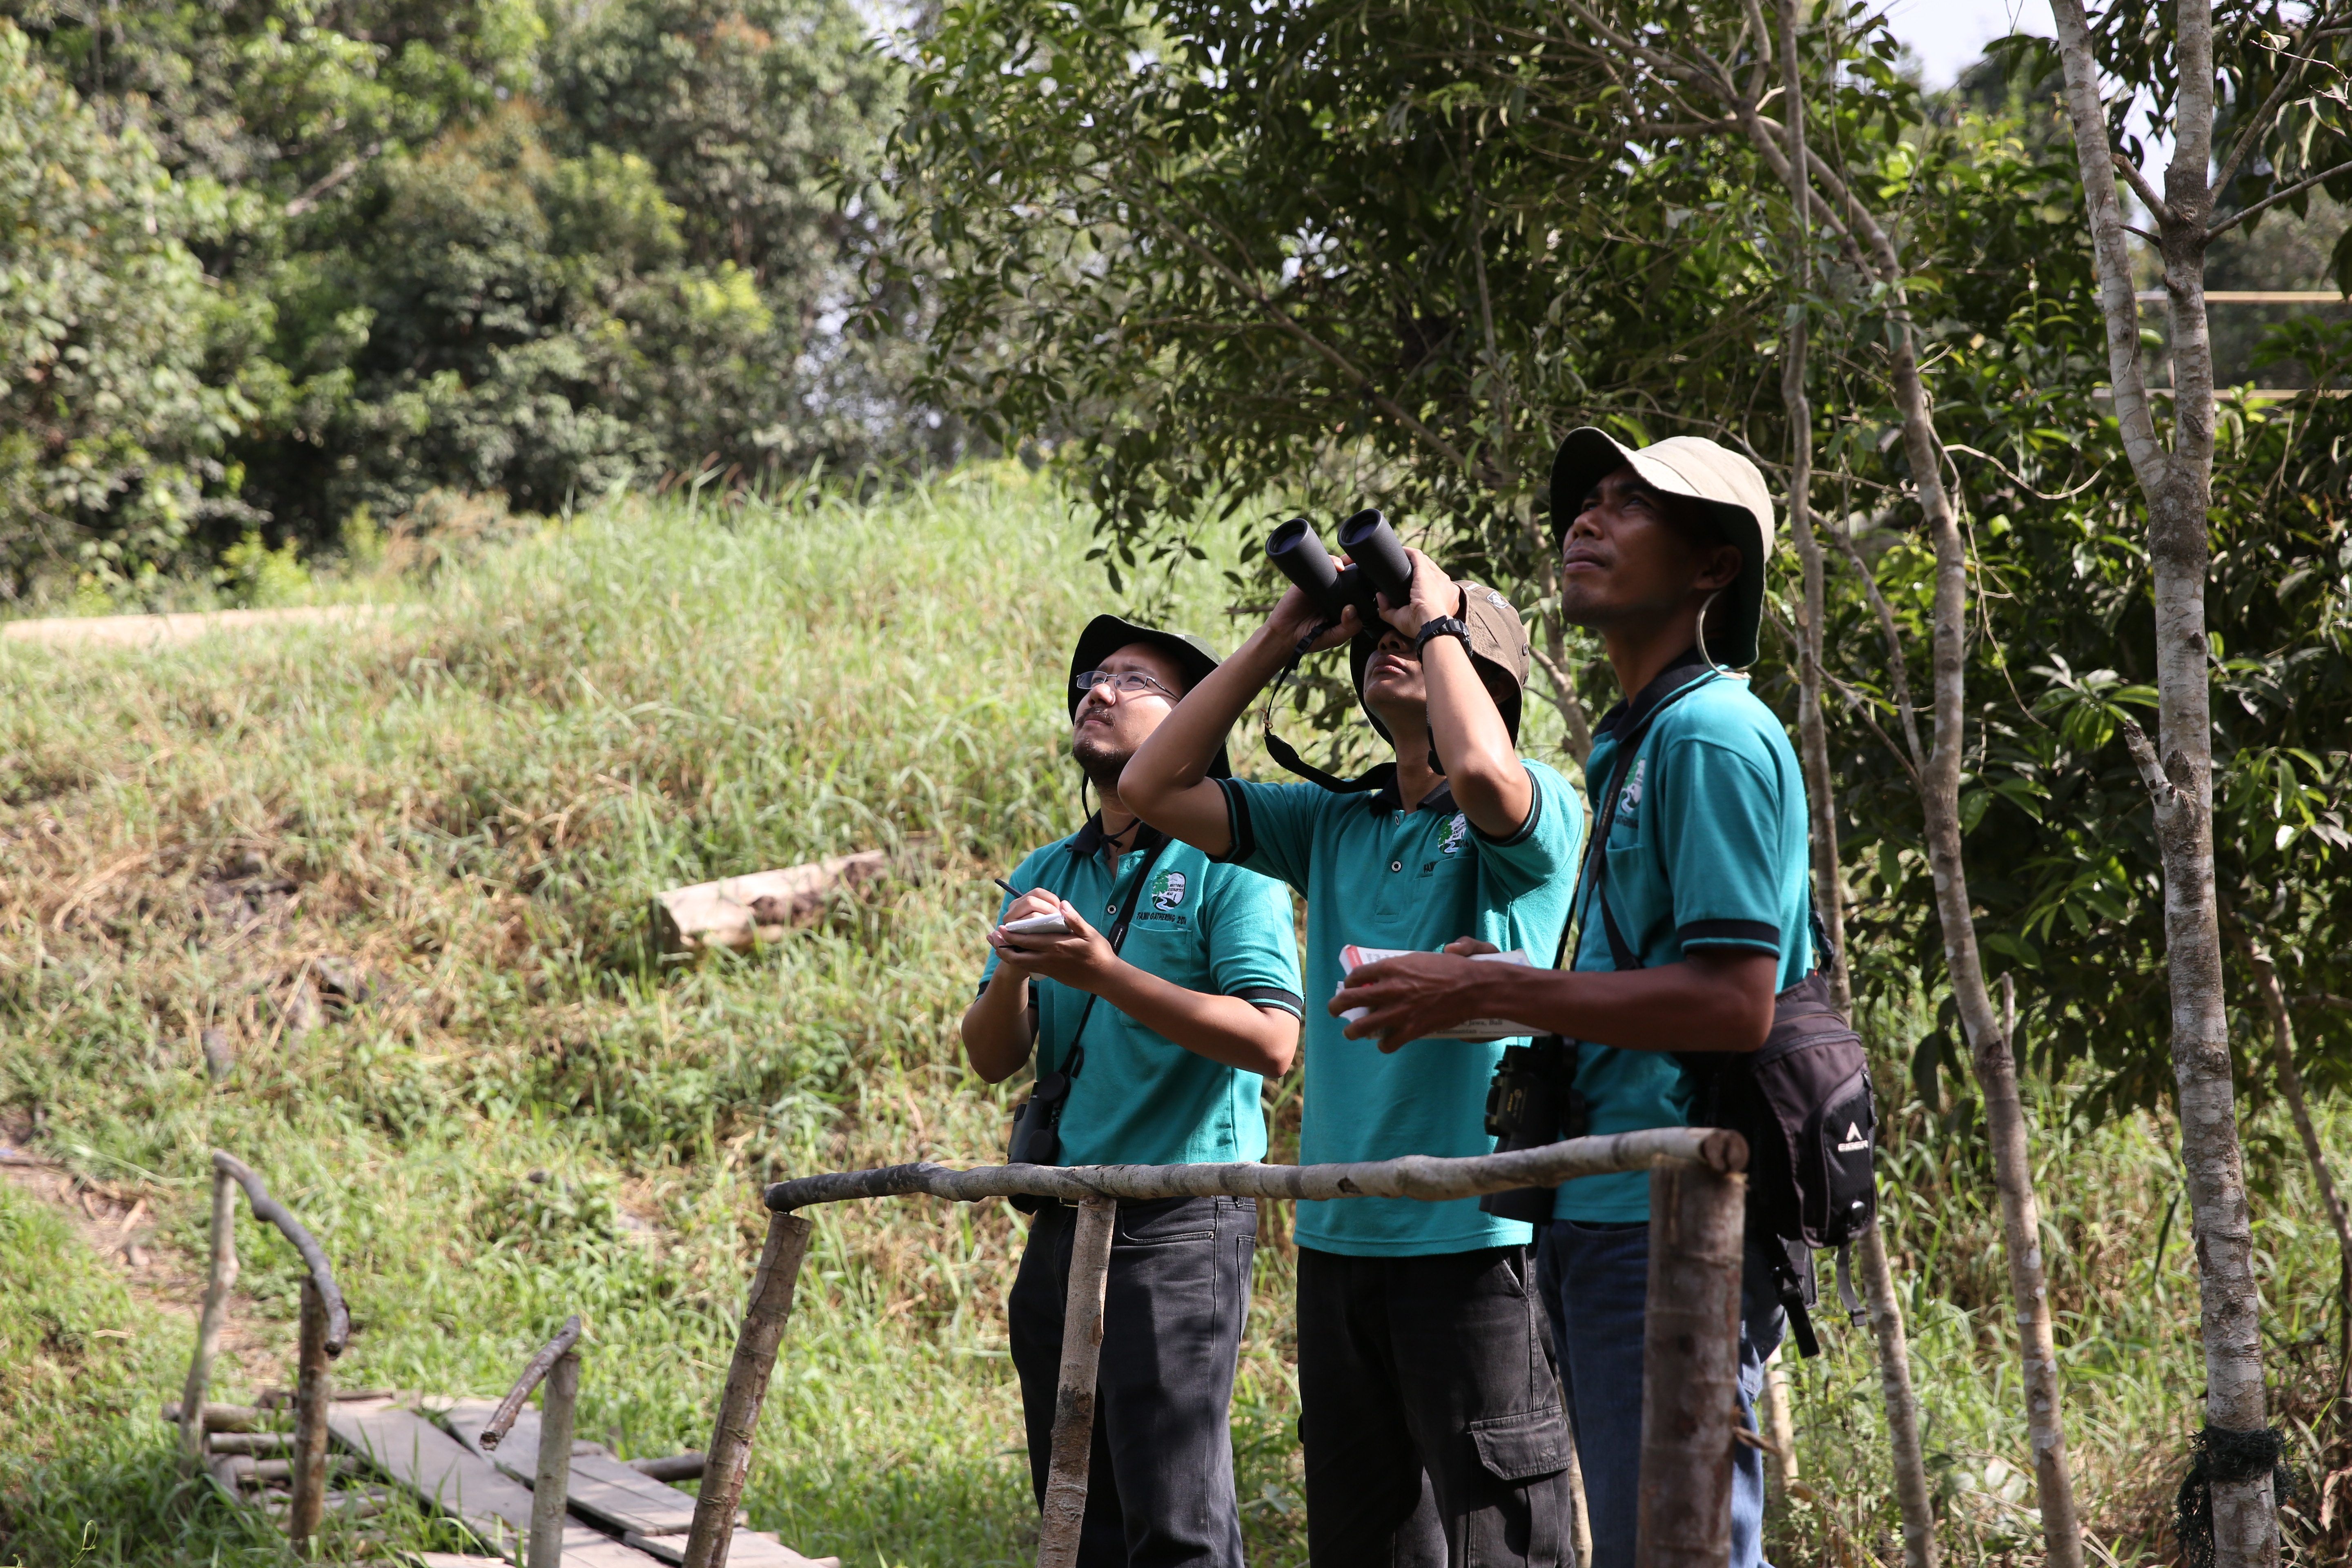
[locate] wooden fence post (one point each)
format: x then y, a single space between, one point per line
552 1485
1065 1513
728 1465
311 1394
1690 1367
223 1279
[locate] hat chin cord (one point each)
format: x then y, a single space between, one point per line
1705 656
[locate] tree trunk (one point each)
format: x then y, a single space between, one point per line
2290 1077
2020 1228
1829 887
2179 772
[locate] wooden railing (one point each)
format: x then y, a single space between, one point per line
1690 1348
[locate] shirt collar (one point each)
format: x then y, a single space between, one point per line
1385 796
1090 840
1681 670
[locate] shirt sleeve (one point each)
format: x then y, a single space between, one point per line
1720 837
1543 848
1272 827
1252 940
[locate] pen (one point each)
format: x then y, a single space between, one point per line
1006 886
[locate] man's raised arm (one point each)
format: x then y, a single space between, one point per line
1167 781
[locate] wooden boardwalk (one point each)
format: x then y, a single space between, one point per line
642 1522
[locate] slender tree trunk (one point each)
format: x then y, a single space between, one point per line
2266 984
1829 887
2021 1225
2179 771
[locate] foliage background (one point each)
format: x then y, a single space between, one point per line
297 264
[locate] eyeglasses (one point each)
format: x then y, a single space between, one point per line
1126 682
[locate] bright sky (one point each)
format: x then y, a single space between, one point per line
1948 34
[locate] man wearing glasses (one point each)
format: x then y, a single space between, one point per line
1155 1016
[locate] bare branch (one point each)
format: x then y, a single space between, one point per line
2309 33
533 1371
2242 214
1899 674
2149 196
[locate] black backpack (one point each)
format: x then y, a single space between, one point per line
1804 1100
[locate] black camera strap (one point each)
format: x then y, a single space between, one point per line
1118 935
1285 755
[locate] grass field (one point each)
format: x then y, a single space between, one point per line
527 1116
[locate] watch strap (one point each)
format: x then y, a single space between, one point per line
1443 627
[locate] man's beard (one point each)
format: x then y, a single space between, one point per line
1099 762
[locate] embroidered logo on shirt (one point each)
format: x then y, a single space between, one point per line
1167 891
1630 797
1456 832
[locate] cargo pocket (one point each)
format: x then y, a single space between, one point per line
1522 1447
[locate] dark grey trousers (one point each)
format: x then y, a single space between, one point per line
1430 1412
1160 1488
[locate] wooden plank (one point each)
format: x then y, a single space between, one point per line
601 1486
747 1549
737 912
458 1481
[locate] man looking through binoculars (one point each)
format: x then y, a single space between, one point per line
1430 1411
1152 1032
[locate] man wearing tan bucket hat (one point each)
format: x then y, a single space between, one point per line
1428 1406
1693 911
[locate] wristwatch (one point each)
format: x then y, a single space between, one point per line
1440 627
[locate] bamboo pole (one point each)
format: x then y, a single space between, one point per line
1065 1512
221 1279
311 1394
552 1485
1690 1367
1424 1177
728 1463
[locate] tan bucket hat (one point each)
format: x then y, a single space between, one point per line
1498 649
1731 488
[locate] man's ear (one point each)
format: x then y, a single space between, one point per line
1721 570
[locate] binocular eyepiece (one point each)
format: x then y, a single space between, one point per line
1380 565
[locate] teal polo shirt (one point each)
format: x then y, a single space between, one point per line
1378 876
1140 1098
1707 850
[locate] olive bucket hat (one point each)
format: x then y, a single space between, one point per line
1105 635
1729 486
1498 651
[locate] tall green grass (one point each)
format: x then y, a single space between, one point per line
530 1115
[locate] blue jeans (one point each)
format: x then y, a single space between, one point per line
1596 1280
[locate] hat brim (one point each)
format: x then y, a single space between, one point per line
1588 456
1105 635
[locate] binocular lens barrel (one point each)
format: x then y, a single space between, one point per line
1298 555
1369 541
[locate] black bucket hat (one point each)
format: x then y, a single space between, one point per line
1105 635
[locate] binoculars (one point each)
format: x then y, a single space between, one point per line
1379 566
1533 1101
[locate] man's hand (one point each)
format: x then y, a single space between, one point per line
1413 997
1295 614
1083 960
1432 595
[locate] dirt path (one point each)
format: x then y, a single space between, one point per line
153 631
117 1221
